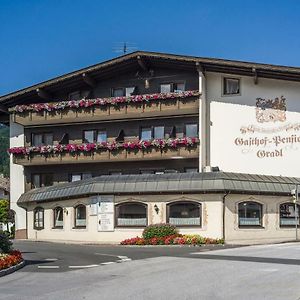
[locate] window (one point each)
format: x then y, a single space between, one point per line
231 86
120 92
40 139
89 136
146 171
250 214
79 176
41 180
191 130
101 136
38 218
75 95
115 173
146 133
129 91
58 215
172 87
191 170
287 214
159 132
80 216
131 214
184 213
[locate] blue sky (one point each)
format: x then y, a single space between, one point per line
46 38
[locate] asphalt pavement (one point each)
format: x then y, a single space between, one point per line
254 272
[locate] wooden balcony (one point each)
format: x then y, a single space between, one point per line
157 108
107 156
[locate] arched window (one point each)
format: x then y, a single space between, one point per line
58 217
131 214
287 214
38 218
250 214
80 216
184 213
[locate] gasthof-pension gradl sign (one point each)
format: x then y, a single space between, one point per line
272 135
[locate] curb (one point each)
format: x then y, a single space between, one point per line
12 269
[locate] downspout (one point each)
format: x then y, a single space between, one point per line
223 219
202 117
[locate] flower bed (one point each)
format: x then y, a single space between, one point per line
107 146
10 259
176 239
85 103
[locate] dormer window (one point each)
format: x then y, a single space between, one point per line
172 87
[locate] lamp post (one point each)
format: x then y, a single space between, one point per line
295 194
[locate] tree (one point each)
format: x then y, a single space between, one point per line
4 211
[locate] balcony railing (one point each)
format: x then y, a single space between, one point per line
106 152
99 109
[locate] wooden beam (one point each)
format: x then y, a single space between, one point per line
43 94
255 78
142 64
88 80
3 109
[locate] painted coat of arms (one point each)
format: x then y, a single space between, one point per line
271 110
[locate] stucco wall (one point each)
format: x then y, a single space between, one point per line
211 222
259 147
270 230
17 181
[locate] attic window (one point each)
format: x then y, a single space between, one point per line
120 92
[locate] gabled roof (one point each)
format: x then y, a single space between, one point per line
124 62
213 182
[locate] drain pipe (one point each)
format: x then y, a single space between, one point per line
224 198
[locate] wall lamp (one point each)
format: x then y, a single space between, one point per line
156 208
66 211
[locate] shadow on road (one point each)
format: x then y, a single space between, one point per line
283 261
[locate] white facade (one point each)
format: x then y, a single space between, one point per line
17 181
243 138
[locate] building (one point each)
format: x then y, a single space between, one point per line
99 153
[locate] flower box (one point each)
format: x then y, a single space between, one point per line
53 115
117 109
37 116
53 158
189 151
101 155
167 153
69 114
85 156
188 103
68 157
21 117
152 153
152 106
101 111
135 154
85 112
37 158
169 105
118 154
135 108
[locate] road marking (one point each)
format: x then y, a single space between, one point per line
123 260
104 254
48 267
108 263
82 267
51 259
269 270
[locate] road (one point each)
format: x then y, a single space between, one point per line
116 272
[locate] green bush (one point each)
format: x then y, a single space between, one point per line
159 230
5 243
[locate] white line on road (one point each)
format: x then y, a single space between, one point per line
82 267
48 267
51 259
108 263
123 260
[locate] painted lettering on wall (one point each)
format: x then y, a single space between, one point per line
265 139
